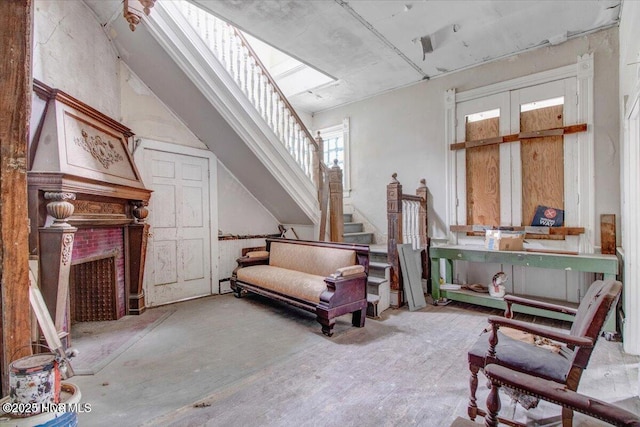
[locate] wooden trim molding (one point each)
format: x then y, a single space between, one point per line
48 93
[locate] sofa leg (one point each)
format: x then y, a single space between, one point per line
328 329
357 318
237 292
327 323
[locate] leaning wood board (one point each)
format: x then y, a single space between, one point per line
608 234
46 325
411 276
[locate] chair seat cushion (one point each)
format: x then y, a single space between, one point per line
522 356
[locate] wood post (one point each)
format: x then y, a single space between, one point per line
336 218
136 241
56 246
423 192
15 110
394 235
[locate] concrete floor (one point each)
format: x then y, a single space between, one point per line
220 361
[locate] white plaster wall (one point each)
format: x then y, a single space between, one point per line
630 175
403 130
72 53
629 48
239 212
147 116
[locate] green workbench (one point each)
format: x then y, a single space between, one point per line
590 263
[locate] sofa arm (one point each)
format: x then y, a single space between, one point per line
247 261
349 271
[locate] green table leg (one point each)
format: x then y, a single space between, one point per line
435 279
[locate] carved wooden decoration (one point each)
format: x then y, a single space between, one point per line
103 150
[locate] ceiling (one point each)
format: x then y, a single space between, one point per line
371 46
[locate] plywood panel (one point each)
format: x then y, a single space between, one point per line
542 162
483 174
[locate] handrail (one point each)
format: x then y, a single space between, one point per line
276 88
235 54
411 197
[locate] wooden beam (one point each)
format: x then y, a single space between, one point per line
15 109
529 230
566 130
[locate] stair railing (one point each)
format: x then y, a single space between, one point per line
407 223
234 52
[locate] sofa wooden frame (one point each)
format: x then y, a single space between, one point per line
342 295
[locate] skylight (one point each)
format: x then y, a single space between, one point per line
292 76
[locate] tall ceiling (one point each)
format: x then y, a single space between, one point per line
371 46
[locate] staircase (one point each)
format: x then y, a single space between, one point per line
220 63
354 232
378 286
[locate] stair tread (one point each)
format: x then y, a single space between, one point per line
380 265
381 249
352 223
357 233
376 280
373 298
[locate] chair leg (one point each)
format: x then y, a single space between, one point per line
567 417
472 409
493 406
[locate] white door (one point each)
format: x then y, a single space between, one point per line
179 256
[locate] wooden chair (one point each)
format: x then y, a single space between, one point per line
551 392
563 367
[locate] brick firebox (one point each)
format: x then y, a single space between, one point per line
92 242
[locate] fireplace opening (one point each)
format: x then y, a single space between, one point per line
93 286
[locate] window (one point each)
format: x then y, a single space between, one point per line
503 183
493 181
335 141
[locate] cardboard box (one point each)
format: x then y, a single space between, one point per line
500 240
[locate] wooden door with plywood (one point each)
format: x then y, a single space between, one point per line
502 184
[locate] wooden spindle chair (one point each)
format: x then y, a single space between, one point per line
564 367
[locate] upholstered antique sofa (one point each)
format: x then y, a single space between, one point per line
326 278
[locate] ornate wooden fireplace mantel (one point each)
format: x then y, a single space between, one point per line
81 175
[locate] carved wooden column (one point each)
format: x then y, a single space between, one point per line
56 246
336 219
137 236
423 228
394 236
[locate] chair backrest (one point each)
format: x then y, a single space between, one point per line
592 314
